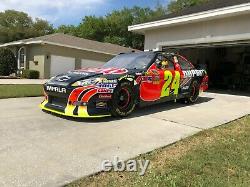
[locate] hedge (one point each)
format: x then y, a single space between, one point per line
30 74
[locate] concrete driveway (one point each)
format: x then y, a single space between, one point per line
39 149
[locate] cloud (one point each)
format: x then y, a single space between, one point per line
55 11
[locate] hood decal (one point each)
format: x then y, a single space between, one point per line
104 71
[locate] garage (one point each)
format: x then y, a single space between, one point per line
60 64
214 35
228 67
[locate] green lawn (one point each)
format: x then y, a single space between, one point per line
10 91
217 157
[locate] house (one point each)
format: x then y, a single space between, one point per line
58 53
215 35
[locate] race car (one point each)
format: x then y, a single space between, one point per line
126 81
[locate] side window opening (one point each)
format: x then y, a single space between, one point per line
184 64
166 62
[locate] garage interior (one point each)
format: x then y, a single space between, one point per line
228 67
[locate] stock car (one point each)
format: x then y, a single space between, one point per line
126 81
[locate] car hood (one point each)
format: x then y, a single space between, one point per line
82 74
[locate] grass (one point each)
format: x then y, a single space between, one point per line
215 157
12 91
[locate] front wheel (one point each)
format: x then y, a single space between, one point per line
123 100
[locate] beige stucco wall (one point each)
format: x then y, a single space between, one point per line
42 54
208 29
68 52
35 58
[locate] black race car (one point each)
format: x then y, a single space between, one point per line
127 80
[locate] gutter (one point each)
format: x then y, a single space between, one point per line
205 15
56 44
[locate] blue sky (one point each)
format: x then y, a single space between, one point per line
60 12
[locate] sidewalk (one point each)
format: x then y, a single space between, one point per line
23 81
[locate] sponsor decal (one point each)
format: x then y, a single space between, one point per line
156 80
155 72
104 80
56 89
128 77
147 79
63 78
88 82
106 70
105 96
193 73
185 88
101 105
104 90
152 72
151 79
106 85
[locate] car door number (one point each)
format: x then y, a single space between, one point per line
171 83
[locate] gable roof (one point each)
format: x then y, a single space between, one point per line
211 8
69 41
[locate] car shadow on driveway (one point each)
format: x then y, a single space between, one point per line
143 111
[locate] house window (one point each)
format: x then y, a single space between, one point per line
21 58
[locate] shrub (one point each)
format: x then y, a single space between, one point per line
8 63
30 74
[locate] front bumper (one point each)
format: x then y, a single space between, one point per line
82 111
80 102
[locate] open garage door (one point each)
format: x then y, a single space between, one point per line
86 63
60 64
228 66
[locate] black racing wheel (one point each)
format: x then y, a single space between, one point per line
123 100
194 92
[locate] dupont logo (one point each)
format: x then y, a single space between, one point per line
56 89
105 96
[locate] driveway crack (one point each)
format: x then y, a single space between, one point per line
179 123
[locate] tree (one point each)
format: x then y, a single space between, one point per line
41 27
67 29
178 5
8 63
92 28
15 25
113 28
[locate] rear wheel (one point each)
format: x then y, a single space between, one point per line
194 92
123 100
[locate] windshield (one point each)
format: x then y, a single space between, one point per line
130 61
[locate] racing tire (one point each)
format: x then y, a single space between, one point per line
123 100
193 92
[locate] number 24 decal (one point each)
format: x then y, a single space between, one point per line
168 77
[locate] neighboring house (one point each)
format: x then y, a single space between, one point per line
215 35
58 53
